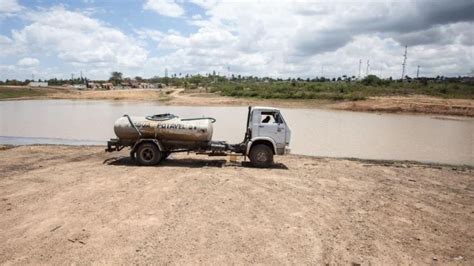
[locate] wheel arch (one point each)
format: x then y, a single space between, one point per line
154 141
262 140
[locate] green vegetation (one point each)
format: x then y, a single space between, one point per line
8 93
342 90
116 77
335 89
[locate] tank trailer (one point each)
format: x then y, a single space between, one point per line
153 138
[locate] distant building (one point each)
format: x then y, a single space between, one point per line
107 86
130 83
145 85
93 85
79 86
38 84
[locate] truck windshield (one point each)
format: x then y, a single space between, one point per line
278 118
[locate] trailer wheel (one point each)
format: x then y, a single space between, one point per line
261 156
148 154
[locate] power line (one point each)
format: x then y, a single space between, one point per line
404 62
368 66
360 66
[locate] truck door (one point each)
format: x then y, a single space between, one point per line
271 125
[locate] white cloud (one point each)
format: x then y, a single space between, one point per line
28 62
76 38
21 73
277 38
7 46
287 38
164 7
154 35
10 6
196 16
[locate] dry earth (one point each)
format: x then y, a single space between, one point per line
64 205
413 104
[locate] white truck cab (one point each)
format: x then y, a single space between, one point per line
267 127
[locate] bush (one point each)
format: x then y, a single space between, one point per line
372 80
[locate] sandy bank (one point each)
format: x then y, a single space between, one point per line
176 96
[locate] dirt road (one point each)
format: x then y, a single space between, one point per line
66 205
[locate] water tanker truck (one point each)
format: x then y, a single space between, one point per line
153 138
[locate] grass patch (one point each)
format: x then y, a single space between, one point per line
165 98
9 93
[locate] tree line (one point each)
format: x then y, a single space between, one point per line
198 80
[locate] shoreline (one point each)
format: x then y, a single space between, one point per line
414 104
381 162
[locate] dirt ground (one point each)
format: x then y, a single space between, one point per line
178 96
413 104
64 204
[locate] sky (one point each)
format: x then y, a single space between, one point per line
46 39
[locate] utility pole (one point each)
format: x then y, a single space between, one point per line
360 67
404 62
368 66
418 72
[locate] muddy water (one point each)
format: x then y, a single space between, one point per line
315 132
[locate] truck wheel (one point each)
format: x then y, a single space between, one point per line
261 156
148 154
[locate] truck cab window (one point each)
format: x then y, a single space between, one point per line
267 118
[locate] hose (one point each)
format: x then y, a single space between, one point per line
133 125
213 120
167 116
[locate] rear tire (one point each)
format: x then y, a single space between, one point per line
148 154
261 156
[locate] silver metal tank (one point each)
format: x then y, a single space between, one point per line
164 127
